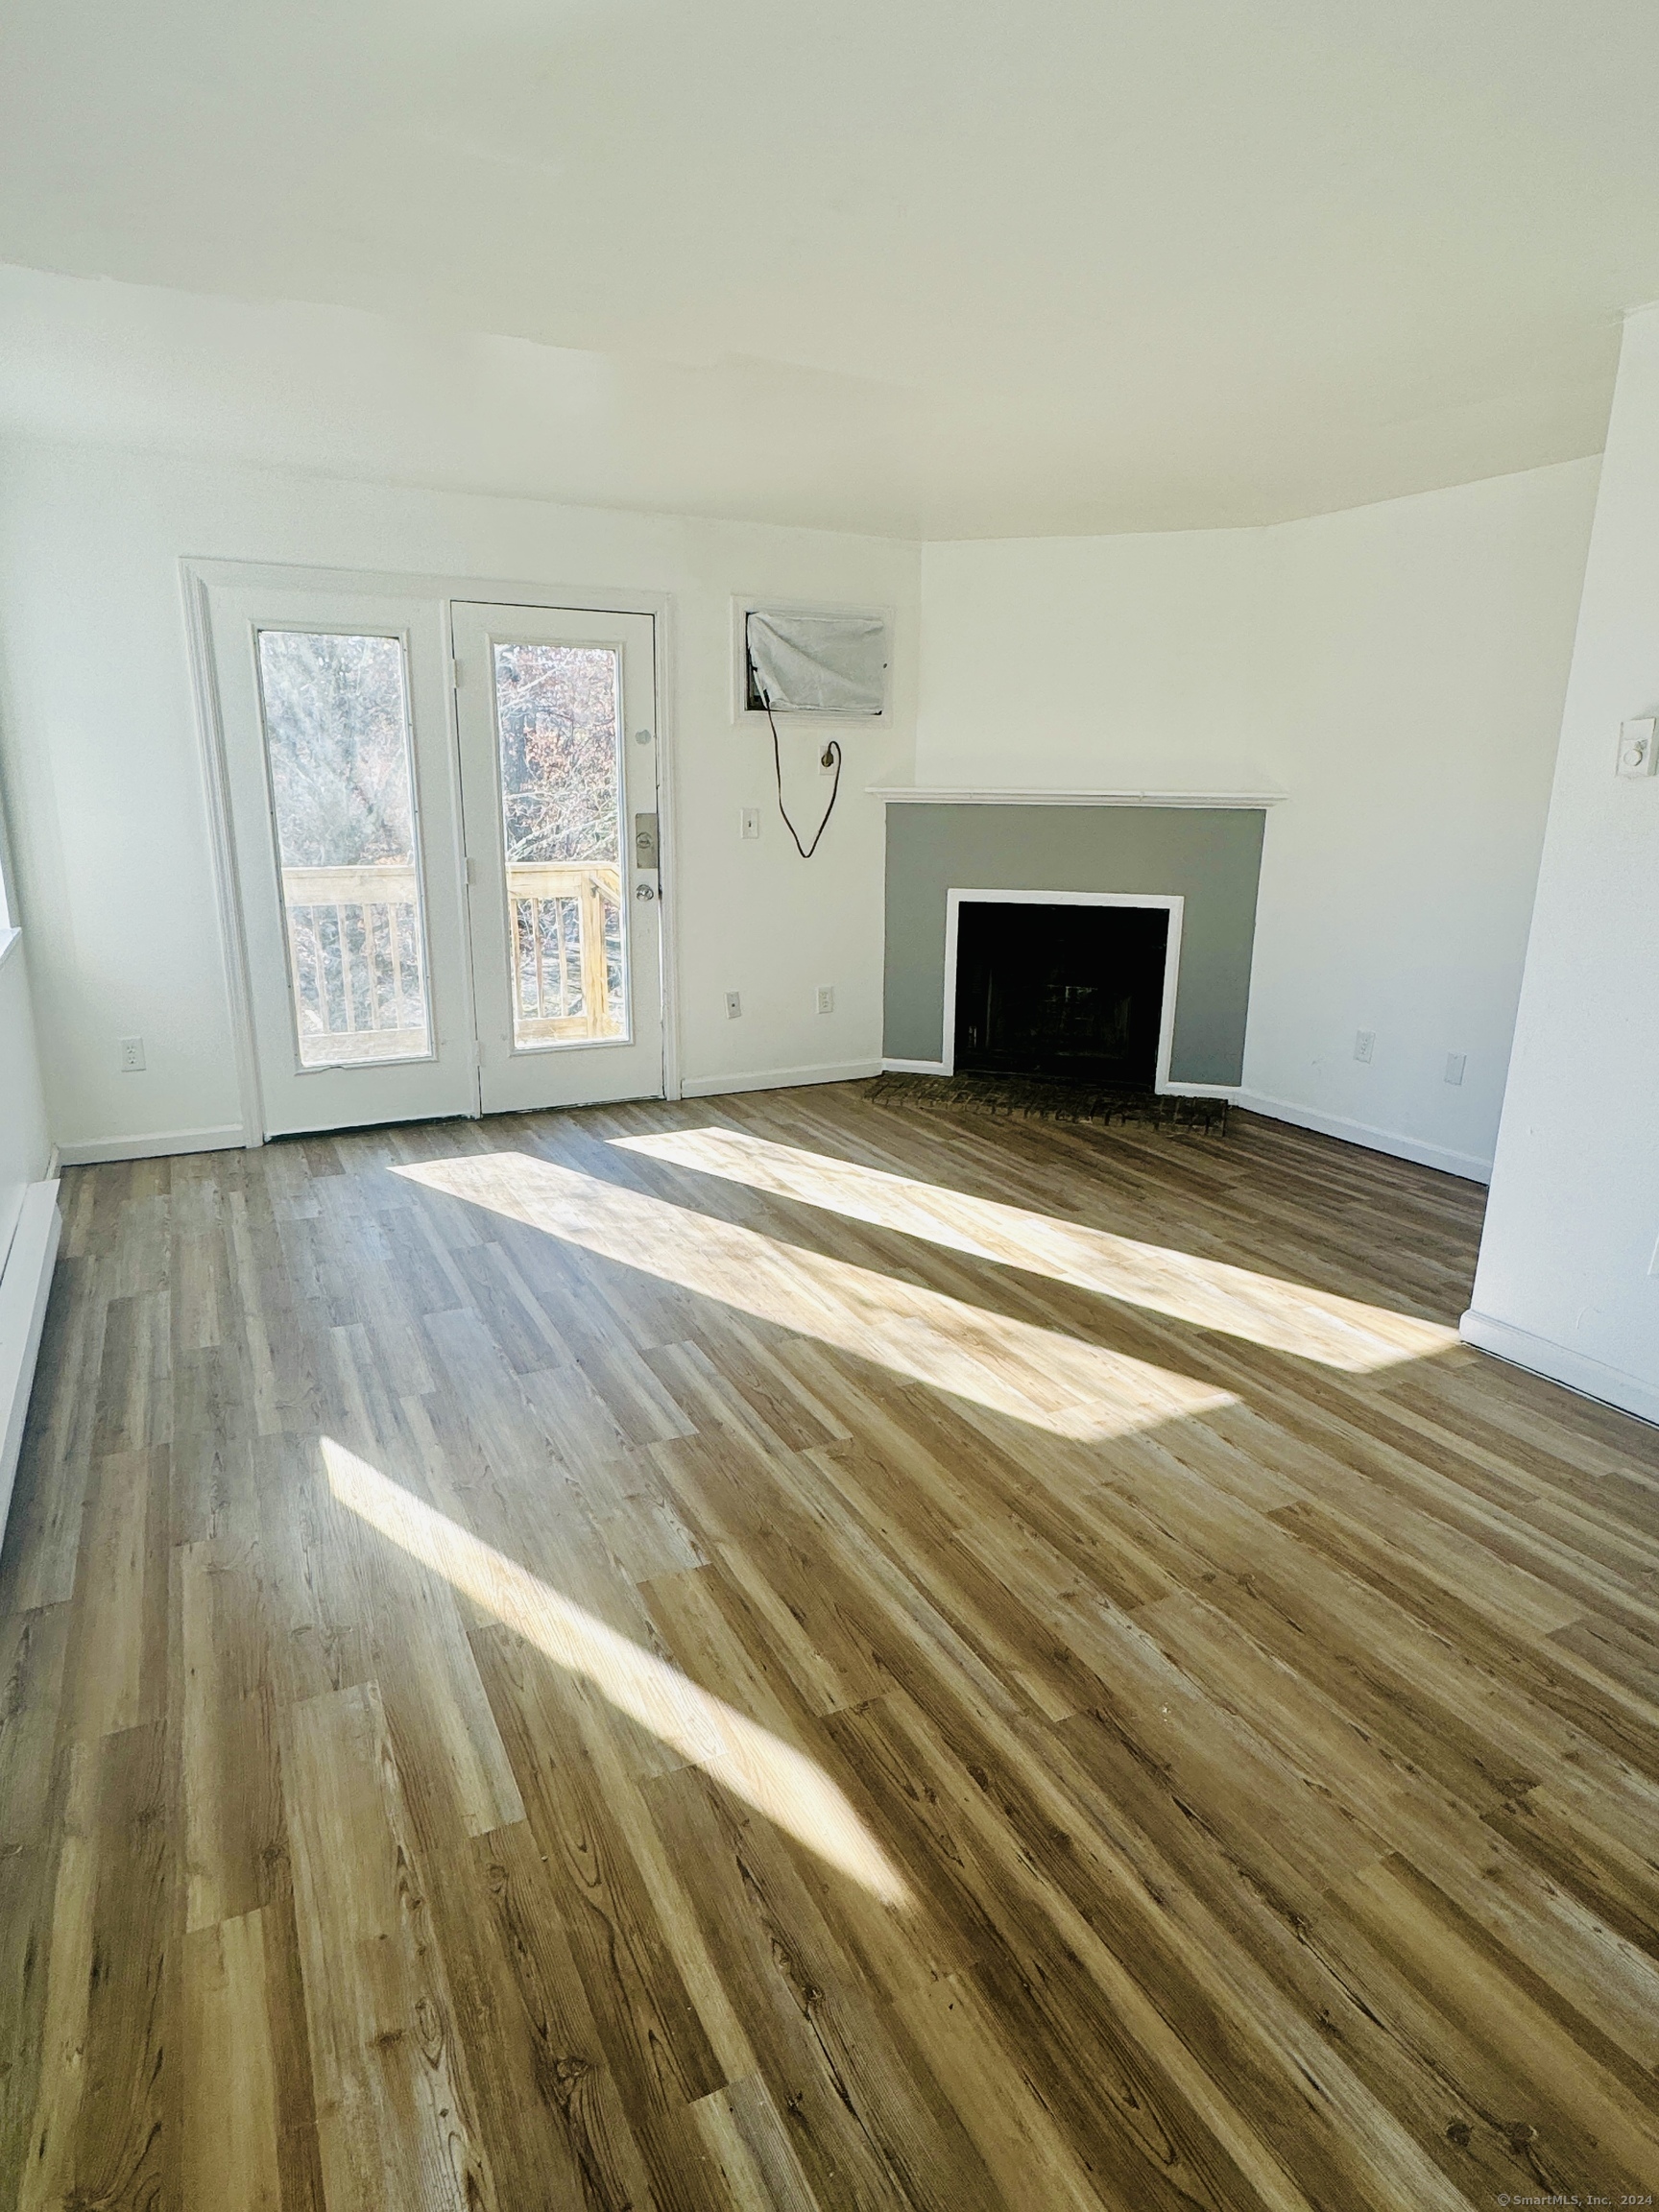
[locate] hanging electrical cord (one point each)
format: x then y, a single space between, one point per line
832 754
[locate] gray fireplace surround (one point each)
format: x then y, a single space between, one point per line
1210 856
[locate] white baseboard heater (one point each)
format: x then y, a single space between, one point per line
24 1288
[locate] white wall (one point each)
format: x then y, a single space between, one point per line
108 811
1421 655
1071 662
1569 1274
1397 671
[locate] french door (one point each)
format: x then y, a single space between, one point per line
559 791
443 816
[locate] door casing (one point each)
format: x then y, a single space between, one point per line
198 579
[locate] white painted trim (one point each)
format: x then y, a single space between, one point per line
24 1289
1559 1363
905 795
1173 903
1471 1166
458 815
157 1144
779 1078
668 840
10 940
54 1161
913 1067
196 581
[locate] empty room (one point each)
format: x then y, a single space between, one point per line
829 1206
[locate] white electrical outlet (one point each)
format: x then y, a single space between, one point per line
748 822
1364 1043
825 997
132 1055
733 1005
1455 1063
1639 746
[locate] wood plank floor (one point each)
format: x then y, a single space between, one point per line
780 1652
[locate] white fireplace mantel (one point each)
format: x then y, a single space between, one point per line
973 795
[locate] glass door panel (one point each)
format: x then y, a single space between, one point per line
558 743
556 712
337 745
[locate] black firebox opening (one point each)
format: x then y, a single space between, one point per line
1070 992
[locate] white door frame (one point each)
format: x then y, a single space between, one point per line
197 577
1173 903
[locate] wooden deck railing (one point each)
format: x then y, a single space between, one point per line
568 927
355 947
356 951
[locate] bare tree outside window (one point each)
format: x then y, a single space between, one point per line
343 794
336 726
558 717
561 773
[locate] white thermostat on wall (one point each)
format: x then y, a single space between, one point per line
1638 752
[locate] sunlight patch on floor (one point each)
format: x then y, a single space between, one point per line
1344 1333
1035 1375
782 1783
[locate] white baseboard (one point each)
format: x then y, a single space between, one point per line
164 1144
1471 1165
24 1288
776 1078
912 1067
1557 1364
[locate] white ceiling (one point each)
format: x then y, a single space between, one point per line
930 269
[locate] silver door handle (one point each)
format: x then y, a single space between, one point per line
645 891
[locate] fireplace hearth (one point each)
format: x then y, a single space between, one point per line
1073 993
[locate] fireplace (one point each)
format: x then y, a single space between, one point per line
1069 989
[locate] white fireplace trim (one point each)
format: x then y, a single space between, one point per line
967 795
1173 904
